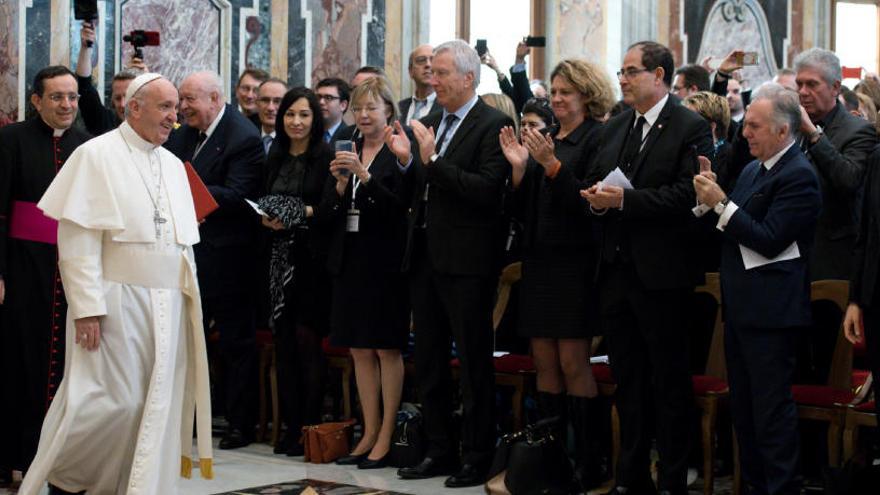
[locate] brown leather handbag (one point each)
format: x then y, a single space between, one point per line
326 442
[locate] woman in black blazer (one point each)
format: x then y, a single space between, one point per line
367 198
557 297
296 170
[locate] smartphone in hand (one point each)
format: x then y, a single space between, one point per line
344 145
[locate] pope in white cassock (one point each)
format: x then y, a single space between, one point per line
122 419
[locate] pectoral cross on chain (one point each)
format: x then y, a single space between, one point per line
158 220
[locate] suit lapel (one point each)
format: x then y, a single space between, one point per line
214 145
756 185
659 126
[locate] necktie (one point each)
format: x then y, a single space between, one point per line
327 136
450 119
762 171
633 144
267 143
199 143
418 105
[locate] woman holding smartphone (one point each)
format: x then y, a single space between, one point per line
296 170
557 309
370 312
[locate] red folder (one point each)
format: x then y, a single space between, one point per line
851 72
205 203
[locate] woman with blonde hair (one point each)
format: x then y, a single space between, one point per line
503 103
557 294
368 198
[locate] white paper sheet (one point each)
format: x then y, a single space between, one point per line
615 178
599 360
751 259
256 208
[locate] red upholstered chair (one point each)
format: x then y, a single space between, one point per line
339 358
267 370
863 414
512 370
826 402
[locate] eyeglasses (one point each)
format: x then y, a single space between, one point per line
60 97
328 98
422 60
630 72
265 100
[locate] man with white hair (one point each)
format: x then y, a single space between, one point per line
225 149
136 373
768 223
838 145
452 252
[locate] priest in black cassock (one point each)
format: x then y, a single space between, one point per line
34 308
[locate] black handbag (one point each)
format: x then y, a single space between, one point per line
530 462
408 444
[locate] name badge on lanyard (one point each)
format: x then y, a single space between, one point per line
352 223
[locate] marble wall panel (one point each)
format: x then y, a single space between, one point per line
738 24
9 61
190 35
582 30
258 37
296 43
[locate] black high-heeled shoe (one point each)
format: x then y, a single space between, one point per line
352 460
368 463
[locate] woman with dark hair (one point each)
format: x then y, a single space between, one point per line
557 298
296 170
537 114
368 197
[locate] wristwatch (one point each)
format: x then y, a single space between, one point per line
815 135
721 205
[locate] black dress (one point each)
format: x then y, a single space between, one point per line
370 304
557 294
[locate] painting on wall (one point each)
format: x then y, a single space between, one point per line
9 60
192 27
582 30
336 47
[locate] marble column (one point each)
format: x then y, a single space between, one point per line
278 56
10 59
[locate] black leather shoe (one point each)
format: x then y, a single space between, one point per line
468 475
352 460
295 449
368 463
428 468
235 439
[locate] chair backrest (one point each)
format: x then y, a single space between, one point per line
509 276
837 292
715 362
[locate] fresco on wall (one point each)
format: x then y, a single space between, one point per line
9 60
582 30
741 24
191 27
336 46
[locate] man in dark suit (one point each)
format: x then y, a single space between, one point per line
768 224
647 272
225 150
333 94
454 241
863 312
838 145
423 101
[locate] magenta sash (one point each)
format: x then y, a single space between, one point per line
29 224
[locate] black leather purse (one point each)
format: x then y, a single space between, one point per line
530 462
408 441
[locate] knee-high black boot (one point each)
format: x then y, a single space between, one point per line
586 417
553 406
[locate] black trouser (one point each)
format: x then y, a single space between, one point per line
447 307
647 345
872 339
301 372
760 367
233 317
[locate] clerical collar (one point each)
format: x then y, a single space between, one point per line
214 124
134 139
48 128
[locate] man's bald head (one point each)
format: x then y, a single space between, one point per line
201 98
152 110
